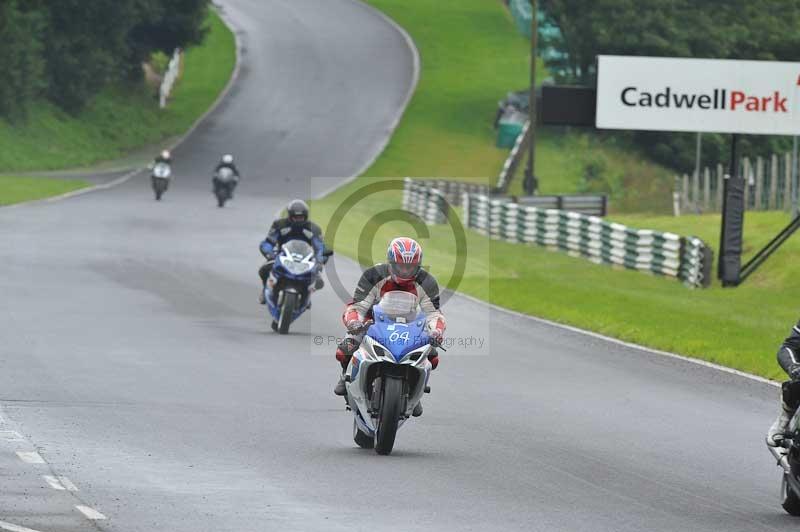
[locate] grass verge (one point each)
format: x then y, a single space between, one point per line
446 133
19 189
120 119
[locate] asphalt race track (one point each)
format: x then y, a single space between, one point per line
137 364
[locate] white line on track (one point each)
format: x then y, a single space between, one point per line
15 528
11 436
67 483
30 457
60 483
90 513
623 343
53 482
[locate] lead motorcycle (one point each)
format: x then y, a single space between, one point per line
160 178
388 374
291 282
225 182
787 454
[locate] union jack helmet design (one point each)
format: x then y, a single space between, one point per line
405 259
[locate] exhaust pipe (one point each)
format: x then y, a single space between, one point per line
780 454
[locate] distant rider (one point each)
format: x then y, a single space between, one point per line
402 271
227 162
789 359
163 157
296 226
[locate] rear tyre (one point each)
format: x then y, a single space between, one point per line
287 311
365 441
389 418
789 499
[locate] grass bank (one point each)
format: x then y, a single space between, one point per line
17 189
446 133
472 55
120 119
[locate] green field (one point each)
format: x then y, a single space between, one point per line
120 119
17 189
446 133
472 56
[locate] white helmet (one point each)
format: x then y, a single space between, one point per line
227 158
165 154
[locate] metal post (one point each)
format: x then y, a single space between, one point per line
531 184
794 178
733 206
697 155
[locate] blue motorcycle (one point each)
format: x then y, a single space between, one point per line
291 283
389 373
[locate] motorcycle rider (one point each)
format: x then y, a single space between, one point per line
789 359
296 226
164 157
402 271
227 162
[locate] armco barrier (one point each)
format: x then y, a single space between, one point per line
426 201
602 242
429 198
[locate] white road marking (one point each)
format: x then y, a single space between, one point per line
67 483
11 435
30 457
616 341
53 482
90 513
15 528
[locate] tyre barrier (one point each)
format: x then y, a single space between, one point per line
687 259
431 199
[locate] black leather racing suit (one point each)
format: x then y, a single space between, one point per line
789 359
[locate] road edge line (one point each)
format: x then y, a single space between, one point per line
416 62
617 341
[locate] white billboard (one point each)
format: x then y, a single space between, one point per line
709 95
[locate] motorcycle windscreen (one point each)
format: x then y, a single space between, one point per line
225 174
297 256
399 335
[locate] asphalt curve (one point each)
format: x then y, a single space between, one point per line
137 363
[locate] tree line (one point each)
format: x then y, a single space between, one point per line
722 29
66 51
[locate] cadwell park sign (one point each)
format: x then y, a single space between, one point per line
698 95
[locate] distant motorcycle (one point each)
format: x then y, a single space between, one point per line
225 182
160 177
389 373
291 283
788 456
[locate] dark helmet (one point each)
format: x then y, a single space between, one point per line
297 211
405 259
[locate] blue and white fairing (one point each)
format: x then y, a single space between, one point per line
296 268
396 337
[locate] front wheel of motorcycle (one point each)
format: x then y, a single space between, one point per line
365 441
287 311
389 417
789 499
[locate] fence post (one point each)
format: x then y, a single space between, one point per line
706 188
746 173
773 182
685 192
787 185
696 189
759 183
720 186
